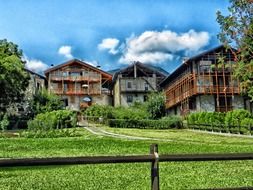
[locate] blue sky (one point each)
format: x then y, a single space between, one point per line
112 33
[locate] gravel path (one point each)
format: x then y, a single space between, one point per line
100 132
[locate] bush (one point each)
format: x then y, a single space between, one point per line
164 123
99 111
4 122
53 120
107 112
246 126
233 119
156 105
211 121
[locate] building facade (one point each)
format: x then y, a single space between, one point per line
79 84
204 83
134 83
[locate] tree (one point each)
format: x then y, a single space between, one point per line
237 30
156 105
13 78
43 101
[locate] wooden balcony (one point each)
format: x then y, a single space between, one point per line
75 78
214 89
177 96
77 91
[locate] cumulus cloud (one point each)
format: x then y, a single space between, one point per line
109 44
66 51
35 65
157 47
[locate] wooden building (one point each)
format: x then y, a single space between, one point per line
79 84
135 82
204 82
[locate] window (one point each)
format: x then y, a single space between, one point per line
129 84
145 98
129 98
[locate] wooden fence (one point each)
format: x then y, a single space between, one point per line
154 158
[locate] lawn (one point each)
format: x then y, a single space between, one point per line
128 176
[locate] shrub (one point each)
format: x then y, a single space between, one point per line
53 120
4 122
246 126
156 105
99 111
234 118
164 123
211 121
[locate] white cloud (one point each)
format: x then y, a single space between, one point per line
35 65
66 51
109 44
156 47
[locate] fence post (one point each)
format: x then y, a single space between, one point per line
154 168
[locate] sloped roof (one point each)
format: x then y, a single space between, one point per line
34 73
79 62
184 64
151 68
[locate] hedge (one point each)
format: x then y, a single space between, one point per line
236 121
164 123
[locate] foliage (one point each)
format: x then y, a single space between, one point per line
233 121
43 101
99 111
109 112
53 120
4 122
237 29
13 77
164 123
156 105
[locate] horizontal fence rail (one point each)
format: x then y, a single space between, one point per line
122 159
154 158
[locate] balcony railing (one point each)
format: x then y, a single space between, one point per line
76 91
91 78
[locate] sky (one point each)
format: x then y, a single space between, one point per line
110 33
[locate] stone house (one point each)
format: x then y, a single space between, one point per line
79 84
204 82
135 82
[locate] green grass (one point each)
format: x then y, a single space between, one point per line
128 176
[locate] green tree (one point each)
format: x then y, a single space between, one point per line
13 77
156 105
43 101
237 31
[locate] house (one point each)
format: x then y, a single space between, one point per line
204 82
36 82
79 84
135 82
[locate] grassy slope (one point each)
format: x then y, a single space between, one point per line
128 176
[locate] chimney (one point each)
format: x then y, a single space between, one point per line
135 70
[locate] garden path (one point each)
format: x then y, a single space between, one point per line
100 132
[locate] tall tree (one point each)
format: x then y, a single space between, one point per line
13 78
237 31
